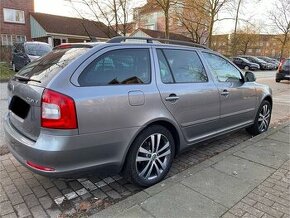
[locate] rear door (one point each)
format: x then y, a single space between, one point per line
116 91
237 97
187 92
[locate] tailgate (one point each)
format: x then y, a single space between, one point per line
25 108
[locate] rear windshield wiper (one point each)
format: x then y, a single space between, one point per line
23 78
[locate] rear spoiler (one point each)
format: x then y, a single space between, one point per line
73 45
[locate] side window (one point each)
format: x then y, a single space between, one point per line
222 69
118 67
165 73
185 66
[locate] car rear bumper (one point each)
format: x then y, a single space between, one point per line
282 76
71 156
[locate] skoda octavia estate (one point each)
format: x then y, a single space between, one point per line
128 108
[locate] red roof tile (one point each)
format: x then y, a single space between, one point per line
73 26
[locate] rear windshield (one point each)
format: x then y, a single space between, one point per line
45 68
35 49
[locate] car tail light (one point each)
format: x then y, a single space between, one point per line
280 65
39 167
57 111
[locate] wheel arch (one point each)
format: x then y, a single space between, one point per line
269 99
173 128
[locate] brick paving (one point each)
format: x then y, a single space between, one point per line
23 193
268 200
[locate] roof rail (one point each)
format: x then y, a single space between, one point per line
119 39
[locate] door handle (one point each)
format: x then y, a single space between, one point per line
225 93
172 97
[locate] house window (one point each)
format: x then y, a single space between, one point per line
20 38
13 16
6 40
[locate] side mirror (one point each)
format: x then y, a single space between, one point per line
250 77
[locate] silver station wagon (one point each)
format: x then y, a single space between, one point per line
127 107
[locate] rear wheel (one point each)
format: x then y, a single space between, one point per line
150 157
262 120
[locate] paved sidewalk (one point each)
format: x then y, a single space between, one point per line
249 180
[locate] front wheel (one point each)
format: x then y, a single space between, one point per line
247 68
262 120
150 157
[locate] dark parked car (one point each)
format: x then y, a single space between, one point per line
263 65
283 70
127 107
25 52
274 63
245 64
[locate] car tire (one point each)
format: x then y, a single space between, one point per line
277 80
262 119
246 67
150 156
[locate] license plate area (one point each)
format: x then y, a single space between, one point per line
19 107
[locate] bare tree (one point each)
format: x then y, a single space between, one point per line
195 21
165 5
213 7
280 17
234 41
246 38
114 13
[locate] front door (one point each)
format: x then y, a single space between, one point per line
187 92
237 97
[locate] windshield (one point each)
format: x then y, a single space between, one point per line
45 68
37 49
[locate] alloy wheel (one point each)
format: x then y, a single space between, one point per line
153 156
264 118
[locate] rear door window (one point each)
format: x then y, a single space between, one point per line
118 67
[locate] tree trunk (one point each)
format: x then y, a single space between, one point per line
166 25
210 31
234 44
283 45
116 17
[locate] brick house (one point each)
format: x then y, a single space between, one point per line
14 23
251 44
151 16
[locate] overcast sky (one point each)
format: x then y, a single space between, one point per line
253 10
